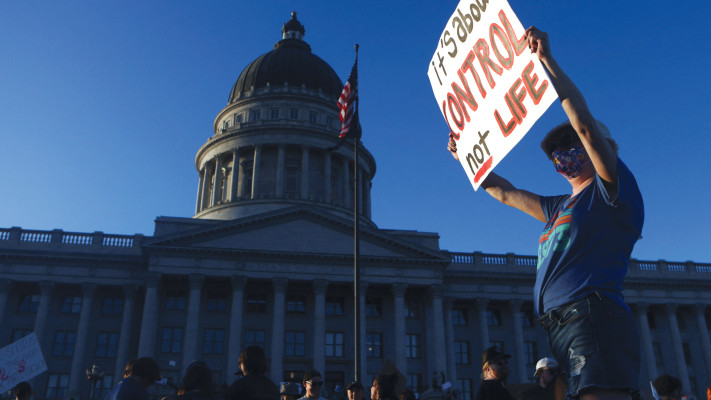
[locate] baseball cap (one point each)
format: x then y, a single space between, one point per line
355 385
493 354
545 362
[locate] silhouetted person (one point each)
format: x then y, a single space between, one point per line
255 385
668 387
23 391
494 371
143 373
313 383
384 387
197 384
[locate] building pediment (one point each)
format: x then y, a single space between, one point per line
296 230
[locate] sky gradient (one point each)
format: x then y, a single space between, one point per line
103 106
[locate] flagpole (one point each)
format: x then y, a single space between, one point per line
356 246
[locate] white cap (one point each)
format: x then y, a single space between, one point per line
546 362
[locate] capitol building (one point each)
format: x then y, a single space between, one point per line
267 259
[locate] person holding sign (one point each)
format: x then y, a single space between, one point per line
584 250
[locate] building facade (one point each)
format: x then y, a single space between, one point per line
267 259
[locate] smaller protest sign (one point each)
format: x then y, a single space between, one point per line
489 88
20 361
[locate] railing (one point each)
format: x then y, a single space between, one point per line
647 266
58 237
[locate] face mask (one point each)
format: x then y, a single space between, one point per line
570 163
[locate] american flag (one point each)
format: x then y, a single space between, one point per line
349 96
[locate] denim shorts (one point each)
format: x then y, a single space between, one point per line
596 342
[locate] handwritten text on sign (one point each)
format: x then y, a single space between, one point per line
489 89
20 361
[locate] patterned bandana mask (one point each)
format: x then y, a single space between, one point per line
570 163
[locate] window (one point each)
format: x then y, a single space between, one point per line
71 304
687 353
29 303
329 122
256 303
274 113
461 352
63 345
334 344
295 304
293 176
213 341
247 178
104 386
498 344
171 340
112 306
254 337
412 308
295 343
239 118
225 124
459 317
106 344
374 344
373 307
334 305
530 350
313 117
18 334
333 379
255 115
414 381
493 318
651 320
293 376
175 301
293 113
657 347
465 388
413 345
57 386
527 318
216 304
680 321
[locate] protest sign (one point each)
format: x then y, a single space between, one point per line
20 361
488 85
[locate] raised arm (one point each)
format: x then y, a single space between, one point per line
599 149
503 191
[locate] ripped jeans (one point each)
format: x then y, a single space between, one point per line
597 344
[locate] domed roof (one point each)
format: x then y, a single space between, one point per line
291 62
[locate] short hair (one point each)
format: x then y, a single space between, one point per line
565 128
197 377
667 385
146 368
128 370
311 374
253 359
23 390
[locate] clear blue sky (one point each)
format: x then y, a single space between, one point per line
103 106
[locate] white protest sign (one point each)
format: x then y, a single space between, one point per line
20 361
488 85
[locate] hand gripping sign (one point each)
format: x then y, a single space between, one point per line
488 85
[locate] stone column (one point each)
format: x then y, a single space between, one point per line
201 184
129 306
46 289
277 353
319 348
76 376
682 371
304 173
280 171
646 335
520 354
449 334
440 351
234 179
481 304
347 198
399 331
327 176
256 161
700 310
204 201
216 193
147 339
5 286
363 291
234 345
192 325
